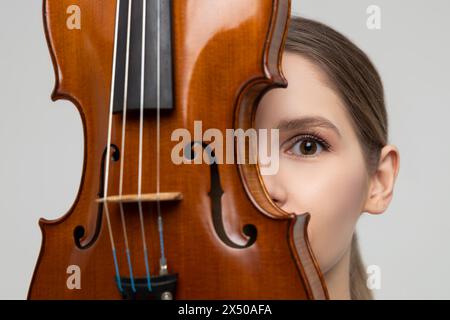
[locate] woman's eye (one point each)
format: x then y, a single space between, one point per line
306 147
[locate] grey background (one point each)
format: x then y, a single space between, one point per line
42 142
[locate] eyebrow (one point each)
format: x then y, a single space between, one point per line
307 122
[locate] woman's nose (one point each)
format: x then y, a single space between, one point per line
276 191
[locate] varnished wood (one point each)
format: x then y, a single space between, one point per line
226 55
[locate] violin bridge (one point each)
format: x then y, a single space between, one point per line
148 197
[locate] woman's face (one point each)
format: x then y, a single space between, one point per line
321 165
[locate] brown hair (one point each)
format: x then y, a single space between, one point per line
353 76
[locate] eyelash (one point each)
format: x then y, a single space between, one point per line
313 136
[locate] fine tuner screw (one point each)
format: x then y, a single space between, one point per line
166 296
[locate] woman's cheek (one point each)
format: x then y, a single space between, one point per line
332 193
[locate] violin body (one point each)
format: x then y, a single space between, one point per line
224 239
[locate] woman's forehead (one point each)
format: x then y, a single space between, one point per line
308 95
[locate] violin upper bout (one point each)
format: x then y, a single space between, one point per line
276 41
80 36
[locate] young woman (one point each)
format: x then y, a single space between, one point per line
335 160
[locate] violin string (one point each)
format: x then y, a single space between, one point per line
163 262
108 150
122 161
141 130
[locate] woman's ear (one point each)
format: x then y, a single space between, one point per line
382 181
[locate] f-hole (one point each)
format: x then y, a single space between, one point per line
79 231
215 194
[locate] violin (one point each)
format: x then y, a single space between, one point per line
143 226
